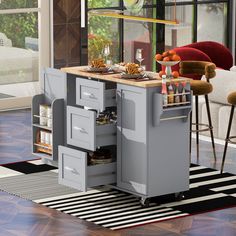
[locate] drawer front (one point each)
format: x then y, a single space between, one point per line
90 93
73 168
82 131
81 128
74 171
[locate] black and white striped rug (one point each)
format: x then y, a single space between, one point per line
110 208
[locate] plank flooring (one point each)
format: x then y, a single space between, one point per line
15 136
22 217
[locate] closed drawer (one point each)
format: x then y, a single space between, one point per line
93 94
74 171
83 132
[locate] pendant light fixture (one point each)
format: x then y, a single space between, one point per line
134 7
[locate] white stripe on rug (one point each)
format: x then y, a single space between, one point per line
204 174
197 168
156 216
69 199
98 203
224 188
64 206
77 194
104 205
219 180
124 215
104 209
149 221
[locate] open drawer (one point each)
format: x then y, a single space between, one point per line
94 94
83 132
74 171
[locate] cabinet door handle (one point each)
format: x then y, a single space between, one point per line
173 118
90 95
72 170
82 130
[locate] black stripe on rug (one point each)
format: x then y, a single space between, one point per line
114 209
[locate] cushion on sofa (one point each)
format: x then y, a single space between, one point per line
233 68
223 84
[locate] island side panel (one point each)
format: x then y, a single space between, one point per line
168 148
132 139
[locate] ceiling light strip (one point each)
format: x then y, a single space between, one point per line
134 18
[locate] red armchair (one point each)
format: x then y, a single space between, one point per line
205 51
218 53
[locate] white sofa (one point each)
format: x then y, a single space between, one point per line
18 65
223 84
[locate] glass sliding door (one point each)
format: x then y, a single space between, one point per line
200 20
124 37
19 52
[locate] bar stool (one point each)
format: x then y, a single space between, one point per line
232 100
200 87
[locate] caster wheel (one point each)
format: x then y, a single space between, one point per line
145 202
179 196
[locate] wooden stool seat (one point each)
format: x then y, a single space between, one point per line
200 87
232 98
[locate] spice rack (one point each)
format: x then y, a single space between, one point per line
40 149
171 111
179 103
53 95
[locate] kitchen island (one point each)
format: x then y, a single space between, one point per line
149 141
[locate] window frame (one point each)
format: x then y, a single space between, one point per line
160 29
44 11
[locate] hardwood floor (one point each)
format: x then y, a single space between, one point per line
15 136
22 217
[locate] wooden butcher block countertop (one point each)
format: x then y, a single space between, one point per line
116 78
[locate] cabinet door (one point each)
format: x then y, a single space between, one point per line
131 139
54 84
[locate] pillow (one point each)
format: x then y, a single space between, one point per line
233 68
223 84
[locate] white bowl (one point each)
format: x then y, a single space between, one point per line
168 63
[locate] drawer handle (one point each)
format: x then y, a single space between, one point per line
82 130
173 118
90 95
72 170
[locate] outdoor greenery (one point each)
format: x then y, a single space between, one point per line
18 26
101 33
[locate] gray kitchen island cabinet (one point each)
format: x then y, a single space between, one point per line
149 142
152 143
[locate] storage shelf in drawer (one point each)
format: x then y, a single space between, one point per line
75 172
93 94
83 132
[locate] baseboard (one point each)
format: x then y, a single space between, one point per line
15 103
217 141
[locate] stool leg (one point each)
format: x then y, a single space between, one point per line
197 127
227 137
210 126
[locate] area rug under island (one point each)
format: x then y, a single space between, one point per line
111 208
